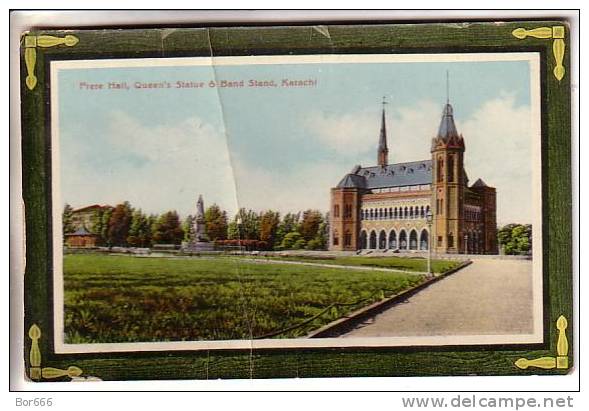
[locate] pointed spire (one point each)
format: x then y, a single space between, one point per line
447 87
383 151
447 129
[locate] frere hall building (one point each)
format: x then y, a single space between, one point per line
385 207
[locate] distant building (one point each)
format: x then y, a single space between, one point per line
81 238
84 217
385 206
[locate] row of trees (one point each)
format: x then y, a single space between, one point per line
124 225
306 230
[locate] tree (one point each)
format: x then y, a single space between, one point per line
139 231
100 222
289 224
319 242
245 225
268 226
299 244
504 233
290 239
515 238
233 230
67 220
119 224
215 223
309 227
168 229
188 227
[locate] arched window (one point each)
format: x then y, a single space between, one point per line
363 240
427 210
386 213
402 240
405 213
392 240
391 212
336 210
413 240
371 213
411 212
347 210
422 212
424 240
382 240
440 169
335 237
372 244
451 168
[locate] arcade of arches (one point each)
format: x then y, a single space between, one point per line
404 240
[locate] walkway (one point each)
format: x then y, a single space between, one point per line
487 297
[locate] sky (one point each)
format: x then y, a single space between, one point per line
280 147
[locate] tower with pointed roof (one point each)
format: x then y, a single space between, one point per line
448 183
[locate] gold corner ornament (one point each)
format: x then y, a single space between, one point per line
561 361
558 47
35 371
31 44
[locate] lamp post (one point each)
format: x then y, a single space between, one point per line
429 217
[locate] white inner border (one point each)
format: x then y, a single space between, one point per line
58 296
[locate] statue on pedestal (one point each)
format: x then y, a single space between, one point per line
198 239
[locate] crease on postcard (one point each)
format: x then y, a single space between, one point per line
324 31
249 317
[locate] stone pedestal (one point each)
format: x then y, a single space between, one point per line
198 240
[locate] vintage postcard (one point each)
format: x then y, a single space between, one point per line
387 204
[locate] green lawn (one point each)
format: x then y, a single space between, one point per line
129 299
418 264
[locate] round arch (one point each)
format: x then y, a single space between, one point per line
372 243
382 240
392 240
413 239
424 240
403 240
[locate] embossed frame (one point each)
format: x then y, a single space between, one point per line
553 356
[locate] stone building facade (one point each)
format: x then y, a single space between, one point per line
384 207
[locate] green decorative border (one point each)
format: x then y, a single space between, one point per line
395 38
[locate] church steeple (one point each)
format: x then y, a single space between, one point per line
383 151
447 132
447 129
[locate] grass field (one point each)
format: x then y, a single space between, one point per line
130 299
398 263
